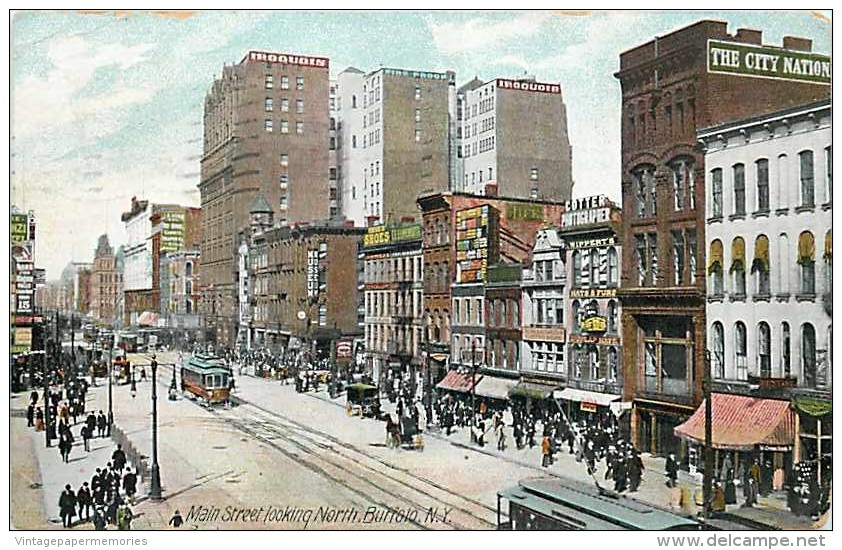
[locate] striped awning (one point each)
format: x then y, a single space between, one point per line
495 387
741 423
458 381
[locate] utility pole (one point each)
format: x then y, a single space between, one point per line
110 396
46 381
73 346
707 488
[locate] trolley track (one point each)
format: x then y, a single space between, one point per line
369 477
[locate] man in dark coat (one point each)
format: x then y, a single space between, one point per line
672 470
99 518
85 500
635 471
30 415
118 458
130 485
101 424
85 432
67 506
90 421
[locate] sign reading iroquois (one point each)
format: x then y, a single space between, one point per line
767 62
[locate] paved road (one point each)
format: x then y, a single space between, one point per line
281 449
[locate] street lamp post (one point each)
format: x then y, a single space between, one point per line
46 395
110 371
473 378
155 482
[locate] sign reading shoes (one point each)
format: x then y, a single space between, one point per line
768 62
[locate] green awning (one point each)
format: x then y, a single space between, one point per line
812 407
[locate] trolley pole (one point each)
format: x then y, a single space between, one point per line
707 488
155 482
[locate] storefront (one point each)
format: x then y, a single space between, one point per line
494 391
534 395
745 429
594 408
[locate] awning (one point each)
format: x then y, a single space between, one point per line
457 381
738 255
585 396
812 407
761 255
740 423
716 257
148 318
533 390
806 248
495 387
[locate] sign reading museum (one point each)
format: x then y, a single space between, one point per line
768 62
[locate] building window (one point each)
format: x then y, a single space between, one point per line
806 259
533 174
267 104
805 160
716 192
269 82
284 126
667 355
594 268
678 257
828 161
299 127
653 257
299 83
284 105
267 124
760 265
417 115
740 351
640 254
574 310
577 268
717 358
612 316
738 266
283 202
284 159
613 364
786 339
715 268
285 83
739 189
808 354
284 179
593 362
762 170
764 350
417 92
417 136
828 262
613 267
681 176
299 106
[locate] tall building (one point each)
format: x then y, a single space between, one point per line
513 133
394 139
105 283
72 281
266 127
769 292
696 77
137 262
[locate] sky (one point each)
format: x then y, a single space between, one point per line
107 106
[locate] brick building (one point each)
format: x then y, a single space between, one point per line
668 93
106 282
266 130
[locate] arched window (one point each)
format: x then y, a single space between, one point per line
594 267
682 184
577 268
644 190
717 358
612 316
806 259
715 267
786 339
760 265
575 315
764 350
807 176
613 364
738 266
593 362
188 269
613 267
808 354
741 361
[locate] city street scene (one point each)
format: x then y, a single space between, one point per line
387 271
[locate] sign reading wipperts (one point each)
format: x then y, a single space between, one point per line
767 62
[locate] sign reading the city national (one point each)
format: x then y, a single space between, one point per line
766 62
472 243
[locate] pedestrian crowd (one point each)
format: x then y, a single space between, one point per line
106 499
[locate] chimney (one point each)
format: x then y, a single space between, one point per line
749 36
371 221
798 44
490 189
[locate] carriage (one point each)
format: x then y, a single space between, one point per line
363 400
206 377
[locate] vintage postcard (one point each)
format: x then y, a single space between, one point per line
420 270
